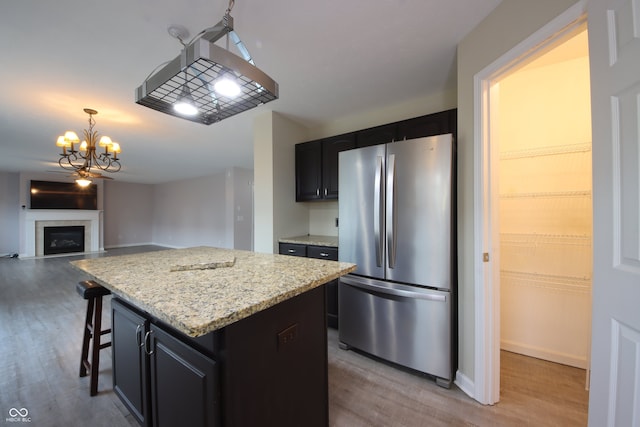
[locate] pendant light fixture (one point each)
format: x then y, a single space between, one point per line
207 83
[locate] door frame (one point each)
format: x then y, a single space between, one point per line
486 235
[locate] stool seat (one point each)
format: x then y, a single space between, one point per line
93 293
90 289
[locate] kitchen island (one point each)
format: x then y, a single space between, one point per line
208 336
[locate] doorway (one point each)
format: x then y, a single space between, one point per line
543 135
487 202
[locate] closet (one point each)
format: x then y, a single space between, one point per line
545 211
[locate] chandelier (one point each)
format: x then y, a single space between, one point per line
207 83
80 157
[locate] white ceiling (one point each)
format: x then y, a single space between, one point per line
330 58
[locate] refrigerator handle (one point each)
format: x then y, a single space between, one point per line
372 287
377 211
391 207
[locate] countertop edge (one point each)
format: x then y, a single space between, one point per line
312 240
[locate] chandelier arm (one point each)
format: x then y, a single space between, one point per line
68 162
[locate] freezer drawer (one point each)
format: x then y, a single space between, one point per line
403 324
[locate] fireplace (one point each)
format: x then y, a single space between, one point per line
63 239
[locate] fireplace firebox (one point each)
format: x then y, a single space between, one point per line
64 239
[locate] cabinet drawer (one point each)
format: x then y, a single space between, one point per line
293 249
322 252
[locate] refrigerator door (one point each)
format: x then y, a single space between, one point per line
361 209
418 210
403 324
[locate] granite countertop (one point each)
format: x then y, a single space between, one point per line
312 240
198 290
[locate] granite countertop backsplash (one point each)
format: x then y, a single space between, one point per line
312 240
198 290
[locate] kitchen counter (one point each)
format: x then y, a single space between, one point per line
315 240
202 289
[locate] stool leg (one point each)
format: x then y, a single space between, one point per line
95 344
85 339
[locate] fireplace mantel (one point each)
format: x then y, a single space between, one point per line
35 218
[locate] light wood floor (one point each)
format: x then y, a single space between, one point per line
41 319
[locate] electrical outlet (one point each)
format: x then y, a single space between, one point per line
288 336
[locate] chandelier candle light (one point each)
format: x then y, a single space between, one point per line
82 157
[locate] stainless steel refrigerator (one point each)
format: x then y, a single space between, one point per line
396 222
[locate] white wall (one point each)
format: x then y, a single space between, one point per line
277 214
128 214
239 209
9 213
509 24
322 218
191 212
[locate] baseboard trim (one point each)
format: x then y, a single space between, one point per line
544 354
465 384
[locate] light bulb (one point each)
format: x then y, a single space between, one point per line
184 104
227 86
82 182
185 108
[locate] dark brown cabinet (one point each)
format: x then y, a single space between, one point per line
317 161
184 383
330 149
293 249
429 125
308 171
159 378
317 167
130 363
266 369
377 135
331 288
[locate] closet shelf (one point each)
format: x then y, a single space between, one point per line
526 239
547 195
574 284
546 151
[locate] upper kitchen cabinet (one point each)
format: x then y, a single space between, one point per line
330 149
317 161
377 135
429 125
308 171
317 167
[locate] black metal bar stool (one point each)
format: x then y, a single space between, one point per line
93 293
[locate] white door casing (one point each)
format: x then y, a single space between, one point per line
614 46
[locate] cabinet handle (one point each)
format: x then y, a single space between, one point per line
318 192
292 251
138 340
147 343
324 254
325 191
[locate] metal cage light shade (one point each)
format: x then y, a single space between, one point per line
200 64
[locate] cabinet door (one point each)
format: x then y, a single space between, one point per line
331 288
377 135
430 125
308 171
129 360
330 149
293 249
185 387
